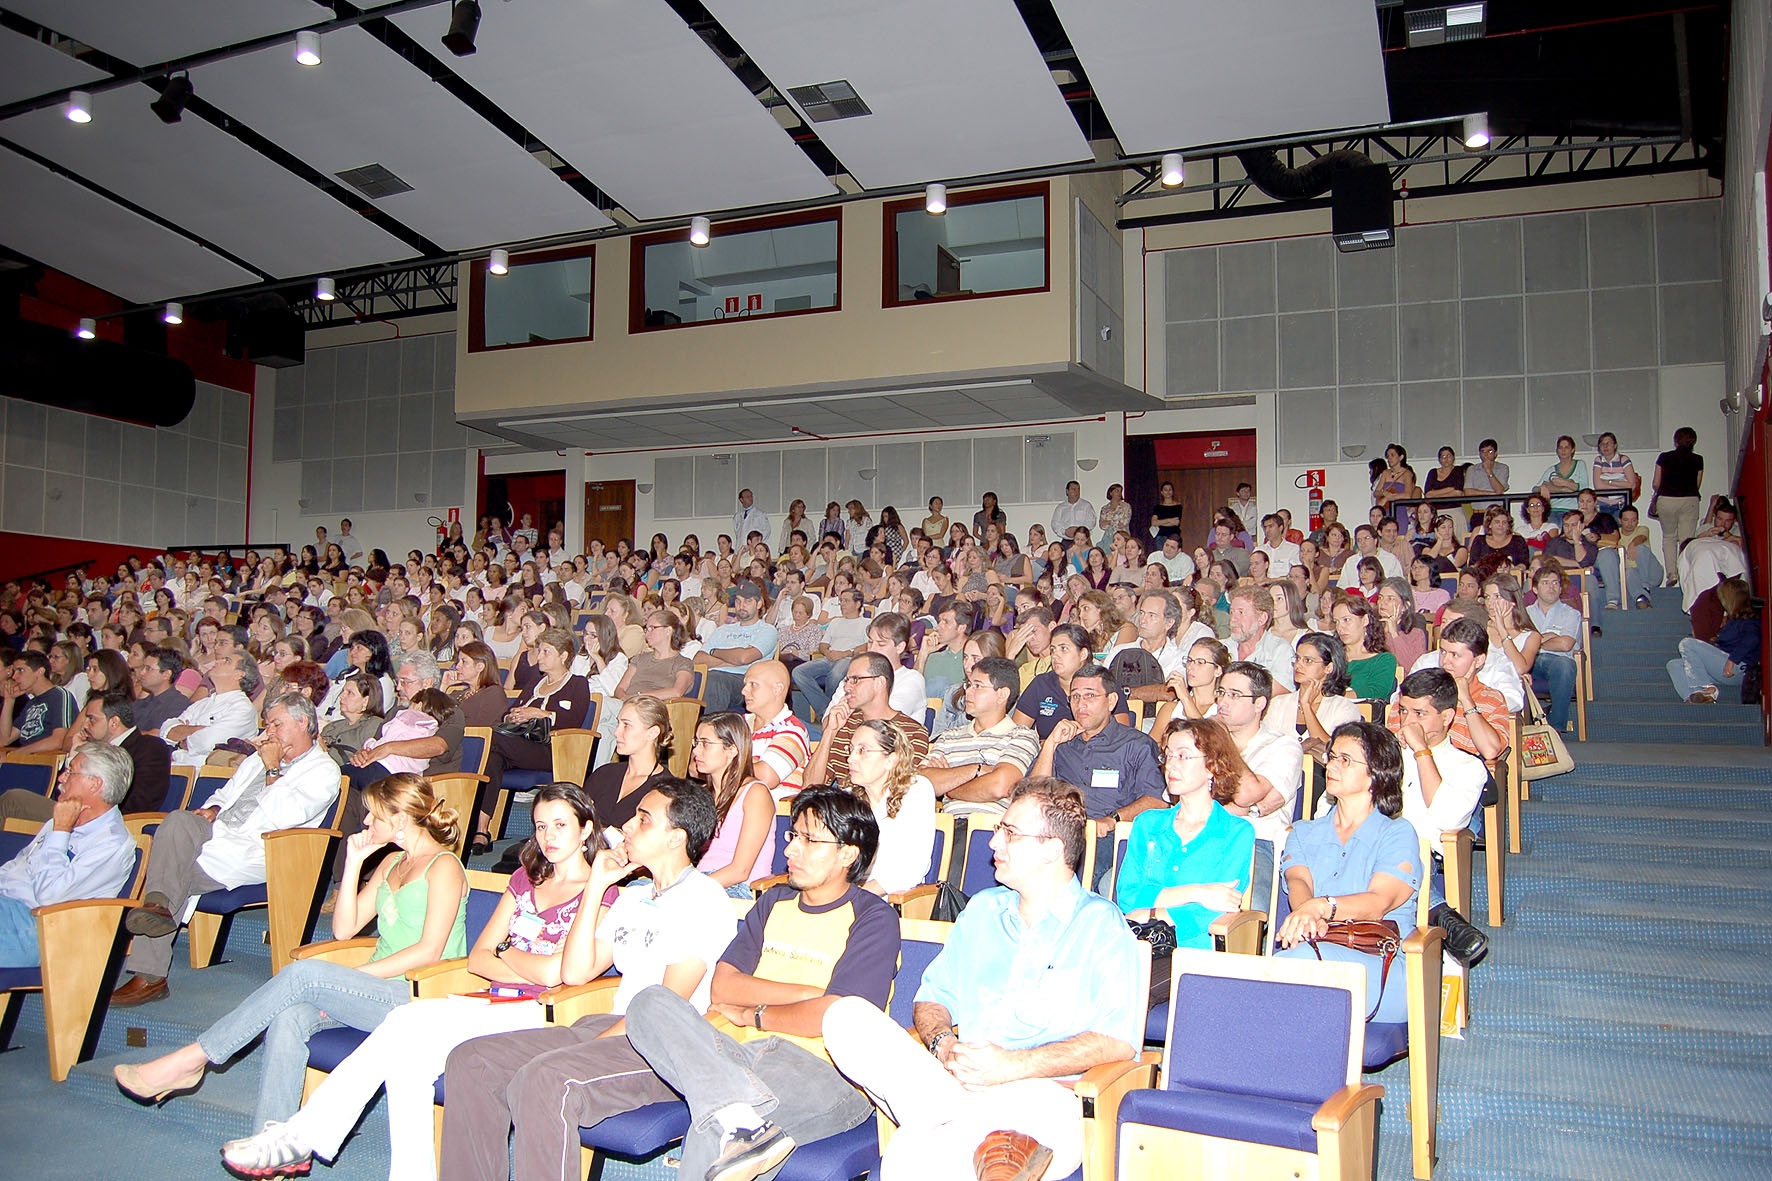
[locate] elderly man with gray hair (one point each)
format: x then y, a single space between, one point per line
287 783
82 851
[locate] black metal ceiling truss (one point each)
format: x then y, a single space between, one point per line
418 289
1427 164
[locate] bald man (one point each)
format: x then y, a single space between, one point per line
780 745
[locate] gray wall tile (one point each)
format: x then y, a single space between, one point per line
200 519
99 512
350 428
1688 242
203 474
65 445
1495 408
445 343
1489 257
1557 332
316 486
320 382
378 483
22 511
347 486
316 432
1432 418
104 446
1427 263
1306 420
1556 252
26 432
1246 279
171 455
1620 247
1366 343
413 480
292 383
1192 357
1625 327
1190 282
1627 402
383 378
415 423
1493 337
286 433
1368 415
1427 341
1247 348
234 414
448 478
1305 273
445 431
1365 278
230 521
231 471
418 365
135 511
1307 349
353 369
1691 323
1554 402
169 519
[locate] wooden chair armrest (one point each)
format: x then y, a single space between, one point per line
579 731
60 908
128 818
1239 931
1423 939
1115 1079
566 1003
918 902
459 775
20 825
1340 1108
350 953
442 979
762 884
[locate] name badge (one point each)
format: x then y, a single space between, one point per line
1106 777
566 705
527 927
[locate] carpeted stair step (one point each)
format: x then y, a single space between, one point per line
1754 798
1496 1150
219 1110
1662 773
1673 734
1575 873
1691 823
1544 997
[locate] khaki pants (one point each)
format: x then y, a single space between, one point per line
1679 521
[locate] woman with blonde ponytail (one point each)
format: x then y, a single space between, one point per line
419 894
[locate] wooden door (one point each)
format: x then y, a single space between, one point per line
609 512
1202 491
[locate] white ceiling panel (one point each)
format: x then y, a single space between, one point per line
955 89
363 105
145 32
1178 73
623 91
209 183
29 68
75 230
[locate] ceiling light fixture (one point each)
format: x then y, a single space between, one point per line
174 313
1173 173
464 22
701 231
500 261
935 198
88 328
1476 130
78 108
170 106
325 289
307 47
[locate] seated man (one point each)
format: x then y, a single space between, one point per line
226 713
974 767
1114 766
668 929
780 745
1559 664
845 638
757 1092
82 851
1275 760
866 690
1442 786
1168 626
1498 674
988 1082
35 712
733 647
288 783
107 718
942 656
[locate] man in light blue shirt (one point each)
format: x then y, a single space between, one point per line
735 646
1559 652
84 851
1039 981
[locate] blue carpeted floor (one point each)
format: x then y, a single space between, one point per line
1621 1027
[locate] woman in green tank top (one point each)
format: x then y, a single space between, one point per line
419 899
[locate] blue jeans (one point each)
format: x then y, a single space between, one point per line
1645 577
1699 665
817 681
18 935
724 691
289 1008
1556 672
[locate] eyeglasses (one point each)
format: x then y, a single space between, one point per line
865 750
1086 695
1336 759
795 834
1200 662
1011 833
1164 759
703 743
1223 693
854 678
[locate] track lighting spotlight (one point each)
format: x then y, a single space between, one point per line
935 198
1172 170
1476 130
464 22
88 328
500 262
78 108
174 313
307 47
170 106
701 231
325 289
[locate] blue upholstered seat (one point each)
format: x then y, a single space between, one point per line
25 978
836 1158
1385 1041
229 901
640 1133
1249 1118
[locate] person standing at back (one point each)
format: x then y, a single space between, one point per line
1679 474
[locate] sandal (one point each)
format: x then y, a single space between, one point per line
482 843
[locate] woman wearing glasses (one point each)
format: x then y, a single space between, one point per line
1195 686
882 772
660 671
1361 861
1191 862
1319 669
743 847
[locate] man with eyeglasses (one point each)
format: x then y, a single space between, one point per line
845 638
988 1086
757 1092
974 767
1115 766
1275 760
866 691
1442 787
1168 625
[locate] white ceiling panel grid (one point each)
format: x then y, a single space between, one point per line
207 182
955 89
146 32
29 68
74 230
472 186
627 94
1177 73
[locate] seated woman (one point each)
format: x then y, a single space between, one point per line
1046 701
367 652
1371 669
1319 669
881 771
1192 861
1361 861
360 703
1195 686
1498 537
1405 631
473 682
559 697
743 846
1703 667
518 952
1424 586
418 898
642 742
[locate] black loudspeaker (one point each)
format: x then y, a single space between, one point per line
271 336
1363 217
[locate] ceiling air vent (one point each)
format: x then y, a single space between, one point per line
374 181
829 100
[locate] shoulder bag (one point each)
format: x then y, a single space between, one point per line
1378 937
1542 750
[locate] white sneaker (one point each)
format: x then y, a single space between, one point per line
274 1151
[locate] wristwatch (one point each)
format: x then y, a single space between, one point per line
504 945
934 1043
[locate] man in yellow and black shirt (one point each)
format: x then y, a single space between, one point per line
768 1085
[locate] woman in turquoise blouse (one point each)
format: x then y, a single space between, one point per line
419 899
1192 861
